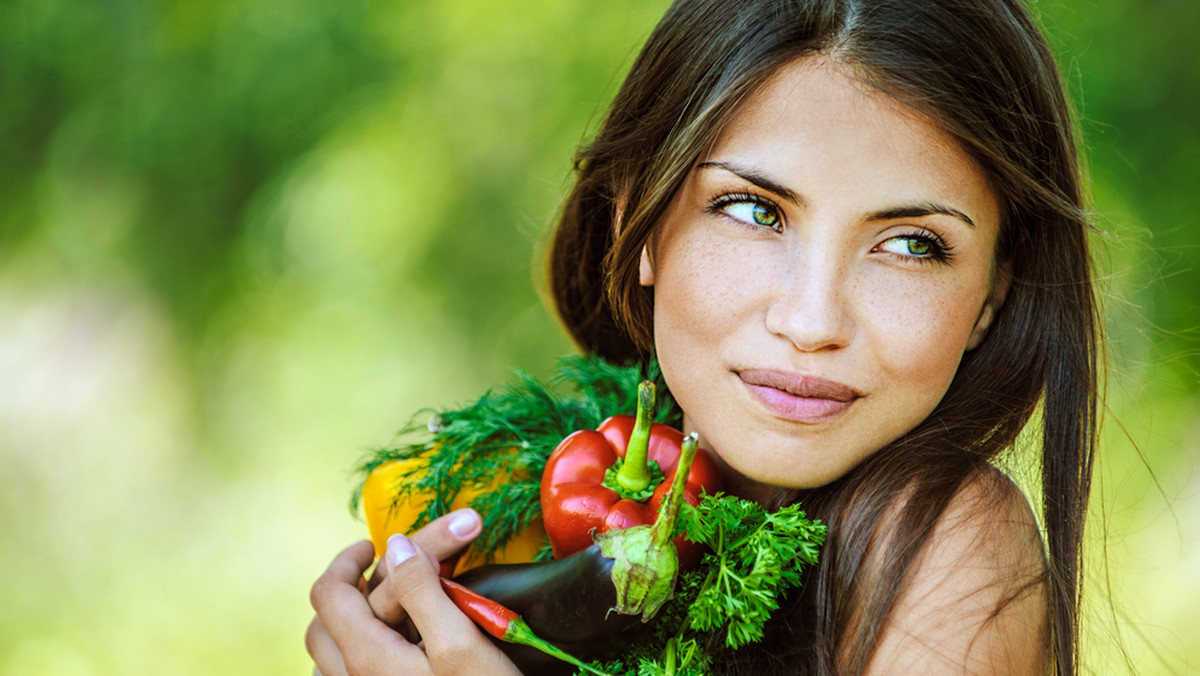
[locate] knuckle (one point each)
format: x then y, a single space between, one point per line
315 593
364 661
403 587
458 641
449 653
385 607
320 592
357 662
312 637
455 646
410 578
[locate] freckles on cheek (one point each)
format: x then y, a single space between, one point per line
920 335
690 285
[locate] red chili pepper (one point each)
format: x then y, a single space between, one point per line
492 617
504 624
615 477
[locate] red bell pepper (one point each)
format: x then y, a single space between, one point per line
615 477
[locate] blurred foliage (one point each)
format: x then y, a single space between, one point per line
240 242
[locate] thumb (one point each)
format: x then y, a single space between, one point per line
414 584
452 642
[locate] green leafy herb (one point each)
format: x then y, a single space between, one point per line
756 557
513 430
757 554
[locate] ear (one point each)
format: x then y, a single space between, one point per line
646 268
991 306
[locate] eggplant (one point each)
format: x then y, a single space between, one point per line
569 602
596 601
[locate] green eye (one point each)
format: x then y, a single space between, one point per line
764 216
751 212
915 246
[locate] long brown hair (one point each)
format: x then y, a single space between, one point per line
981 69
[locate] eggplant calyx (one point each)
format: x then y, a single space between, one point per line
643 576
645 561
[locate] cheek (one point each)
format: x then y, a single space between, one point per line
919 332
702 309
699 293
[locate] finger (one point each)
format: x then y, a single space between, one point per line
452 642
335 594
324 652
346 615
383 603
444 537
365 644
440 538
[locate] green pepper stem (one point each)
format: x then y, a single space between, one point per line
519 632
634 475
663 530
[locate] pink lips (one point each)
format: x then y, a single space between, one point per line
799 398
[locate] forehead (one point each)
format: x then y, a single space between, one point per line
814 121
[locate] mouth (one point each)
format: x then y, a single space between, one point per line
797 397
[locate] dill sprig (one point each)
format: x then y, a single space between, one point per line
510 432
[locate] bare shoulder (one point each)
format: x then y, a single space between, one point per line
975 602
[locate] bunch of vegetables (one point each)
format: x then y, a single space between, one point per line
630 515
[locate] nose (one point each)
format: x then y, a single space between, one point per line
810 304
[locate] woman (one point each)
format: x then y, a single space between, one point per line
853 233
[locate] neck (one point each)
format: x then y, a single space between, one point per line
733 481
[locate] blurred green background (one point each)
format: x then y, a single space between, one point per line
242 242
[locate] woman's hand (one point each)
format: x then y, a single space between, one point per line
401 622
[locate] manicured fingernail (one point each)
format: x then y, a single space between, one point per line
463 523
400 549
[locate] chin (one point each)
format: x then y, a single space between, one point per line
804 472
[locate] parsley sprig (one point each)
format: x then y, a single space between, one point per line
756 557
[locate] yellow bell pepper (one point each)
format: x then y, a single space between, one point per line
384 520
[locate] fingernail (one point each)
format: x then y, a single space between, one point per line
399 550
463 523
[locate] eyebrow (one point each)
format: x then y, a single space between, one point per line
756 178
915 210
919 210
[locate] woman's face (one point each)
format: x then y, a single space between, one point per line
819 276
